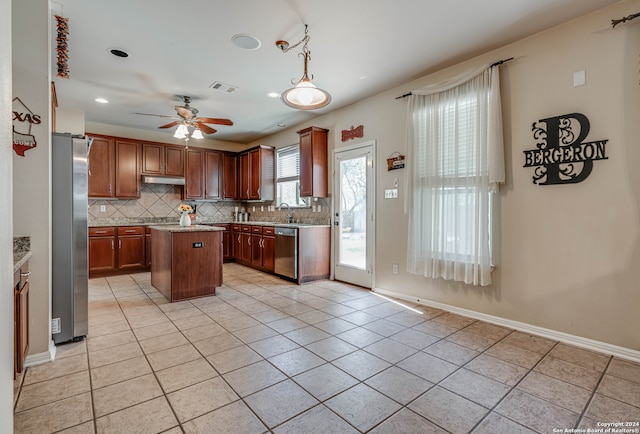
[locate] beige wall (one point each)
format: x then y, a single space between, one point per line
6 225
568 255
31 173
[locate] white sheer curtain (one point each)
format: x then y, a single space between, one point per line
456 161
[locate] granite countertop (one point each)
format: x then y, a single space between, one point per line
192 228
21 251
172 222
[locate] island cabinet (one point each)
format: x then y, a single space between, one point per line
113 167
256 178
147 247
21 317
314 167
162 160
187 261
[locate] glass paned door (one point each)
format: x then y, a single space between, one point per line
354 229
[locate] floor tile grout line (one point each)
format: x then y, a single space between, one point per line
593 393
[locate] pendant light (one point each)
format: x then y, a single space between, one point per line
304 95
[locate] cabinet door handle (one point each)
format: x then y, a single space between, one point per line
112 246
109 188
130 230
247 192
101 232
119 244
258 191
239 239
249 240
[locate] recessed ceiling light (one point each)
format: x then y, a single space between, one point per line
281 125
363 77
119 53
245 41
101 100
273 95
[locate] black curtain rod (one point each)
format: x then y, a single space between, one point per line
624 19
499 62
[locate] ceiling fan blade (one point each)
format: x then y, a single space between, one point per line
205 128
170 124
151 114
217 121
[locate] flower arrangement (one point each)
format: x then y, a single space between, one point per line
185 208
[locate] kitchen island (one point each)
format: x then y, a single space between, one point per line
187 261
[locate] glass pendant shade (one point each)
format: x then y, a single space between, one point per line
181 132
197 134
306 96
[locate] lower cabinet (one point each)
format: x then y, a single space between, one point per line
263 244
20 317
121 249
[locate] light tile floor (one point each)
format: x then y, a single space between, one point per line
268 356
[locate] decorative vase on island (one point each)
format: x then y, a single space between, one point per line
185 220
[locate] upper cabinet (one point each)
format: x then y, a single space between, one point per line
114 168
194 176
257 174
162 160
229 175
203 180
314 168
101 162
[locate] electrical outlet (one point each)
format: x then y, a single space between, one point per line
395 268
103 208
319 208
262 208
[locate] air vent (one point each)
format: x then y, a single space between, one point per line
217 85
55 326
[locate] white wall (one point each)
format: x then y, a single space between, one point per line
69 120
32 173
569 255
6 228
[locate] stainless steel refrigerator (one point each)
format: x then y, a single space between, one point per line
69 268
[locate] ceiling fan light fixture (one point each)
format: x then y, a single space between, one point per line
197 134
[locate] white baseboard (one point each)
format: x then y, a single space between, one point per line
589 344
41 358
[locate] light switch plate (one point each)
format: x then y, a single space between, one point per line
391 193
579 78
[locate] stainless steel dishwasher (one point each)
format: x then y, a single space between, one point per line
286 255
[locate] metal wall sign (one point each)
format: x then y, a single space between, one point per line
562 156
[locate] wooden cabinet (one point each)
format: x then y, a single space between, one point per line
162 160
227 242
114 250
147 247
213 175
101 167
21 317
245 249
127 169
102 250
131 242
263 247
314 167
203 178
114 168
194 175
229 176
268 248
236 236
257 174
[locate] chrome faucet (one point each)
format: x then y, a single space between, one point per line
289 218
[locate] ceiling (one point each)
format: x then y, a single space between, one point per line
358 49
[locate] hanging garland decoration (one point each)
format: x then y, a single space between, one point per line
62 47
624 20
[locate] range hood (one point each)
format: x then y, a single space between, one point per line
172 180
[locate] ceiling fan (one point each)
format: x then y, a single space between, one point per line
187 118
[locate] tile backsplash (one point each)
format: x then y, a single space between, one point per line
159 203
